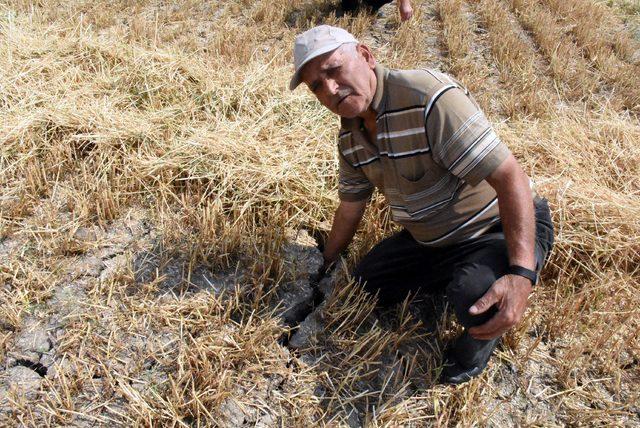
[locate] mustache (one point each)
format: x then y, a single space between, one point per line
342 94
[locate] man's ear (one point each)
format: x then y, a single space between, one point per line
366 54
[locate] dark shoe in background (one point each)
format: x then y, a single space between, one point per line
354 6
350 6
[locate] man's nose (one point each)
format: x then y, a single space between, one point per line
332 86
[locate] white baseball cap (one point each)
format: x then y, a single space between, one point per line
315 42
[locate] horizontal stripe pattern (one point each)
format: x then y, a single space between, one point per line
402 133
395 113
354 186
407 153
352 150
491 204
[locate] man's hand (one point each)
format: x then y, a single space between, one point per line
323 270
509 294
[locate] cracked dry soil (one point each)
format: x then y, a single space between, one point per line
36 353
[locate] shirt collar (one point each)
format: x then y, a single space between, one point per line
379 98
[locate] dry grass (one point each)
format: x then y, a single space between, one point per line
609 36
458 36
606 44
571 73
144 126
522 71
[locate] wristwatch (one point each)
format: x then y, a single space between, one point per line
522 271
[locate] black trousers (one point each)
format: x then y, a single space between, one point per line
399 265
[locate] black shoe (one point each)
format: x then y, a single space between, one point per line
466 359
350 6
375 5
454 374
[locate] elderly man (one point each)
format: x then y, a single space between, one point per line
472 227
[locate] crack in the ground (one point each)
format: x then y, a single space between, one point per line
39 367
145 234
7 326
36 367
309 306
634 362
306 309
112 255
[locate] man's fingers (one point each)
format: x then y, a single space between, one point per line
488 335
488 329
500 323
484 303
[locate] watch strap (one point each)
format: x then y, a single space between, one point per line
522 271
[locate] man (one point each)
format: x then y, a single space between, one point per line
472 227
404 6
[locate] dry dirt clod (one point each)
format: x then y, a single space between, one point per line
22 379
85 234
32 342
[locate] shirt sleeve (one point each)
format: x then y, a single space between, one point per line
353 184
461 138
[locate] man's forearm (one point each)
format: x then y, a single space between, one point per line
518 222
517 214
345 224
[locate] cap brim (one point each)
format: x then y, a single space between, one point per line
295 80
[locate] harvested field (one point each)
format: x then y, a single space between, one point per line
163 195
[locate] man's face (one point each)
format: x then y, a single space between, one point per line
344 81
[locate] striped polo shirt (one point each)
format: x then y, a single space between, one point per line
433 149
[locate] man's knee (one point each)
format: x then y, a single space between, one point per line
389 287
372 285
470 282
364 275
